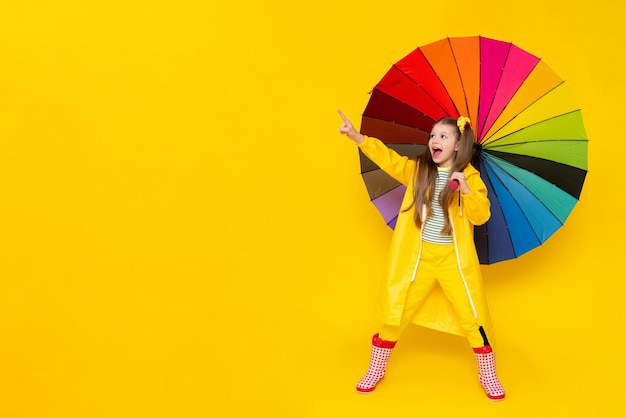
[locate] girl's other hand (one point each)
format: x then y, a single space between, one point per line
348 130
460 177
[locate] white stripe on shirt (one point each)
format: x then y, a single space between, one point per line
435 219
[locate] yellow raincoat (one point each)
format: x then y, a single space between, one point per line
404 253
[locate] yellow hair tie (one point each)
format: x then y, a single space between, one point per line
462 121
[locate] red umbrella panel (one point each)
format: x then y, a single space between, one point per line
531 145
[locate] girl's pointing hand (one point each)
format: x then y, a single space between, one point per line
348 130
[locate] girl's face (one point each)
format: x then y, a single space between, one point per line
443 144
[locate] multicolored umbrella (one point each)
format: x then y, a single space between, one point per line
530 139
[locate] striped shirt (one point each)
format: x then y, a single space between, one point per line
434 220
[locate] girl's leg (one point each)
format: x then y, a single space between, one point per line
453 288
384 342
452 285
418 291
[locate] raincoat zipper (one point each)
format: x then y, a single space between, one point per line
458 263
419 254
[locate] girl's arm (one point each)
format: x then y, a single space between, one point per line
476 205
397 166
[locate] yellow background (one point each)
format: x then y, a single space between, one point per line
183 232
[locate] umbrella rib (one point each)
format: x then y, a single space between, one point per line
529 191
571 183
397 123
390 190
423 89
518 87
517 203
410 156
458 71
521 111
372 170
483 164
487 149
391 186
400 102
394 219
493 98
490 144
476 122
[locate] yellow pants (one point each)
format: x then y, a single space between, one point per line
438 264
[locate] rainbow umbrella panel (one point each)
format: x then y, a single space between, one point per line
531 145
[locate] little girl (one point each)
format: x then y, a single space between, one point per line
433 244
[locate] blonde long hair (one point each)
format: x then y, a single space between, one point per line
425 175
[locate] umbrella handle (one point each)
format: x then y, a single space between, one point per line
454 184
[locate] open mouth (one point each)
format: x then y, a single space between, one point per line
436 152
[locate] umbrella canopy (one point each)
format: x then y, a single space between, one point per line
531 145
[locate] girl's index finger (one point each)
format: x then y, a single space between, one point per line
345 119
